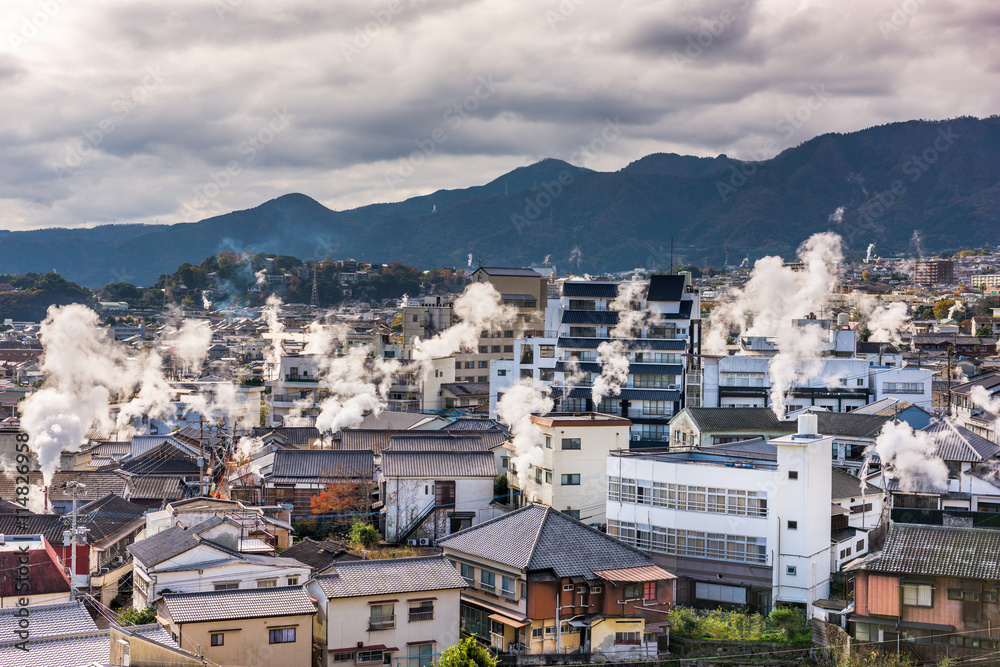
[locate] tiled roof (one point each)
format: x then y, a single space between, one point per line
161 487
374 440
846 485
48 620
98 483
954 443
317 555
297 435
876 348
395 421
537 537
939 551
439 441
744 420
238 604
467 388
988 380
589 290
111 514
472 424
387 576
173 541
886 407
438 464
78 650
848 424
313 464
49 525
589 317
154 632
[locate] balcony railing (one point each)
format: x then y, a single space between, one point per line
381 623
421 616
489 588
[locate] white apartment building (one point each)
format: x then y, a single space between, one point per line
744 524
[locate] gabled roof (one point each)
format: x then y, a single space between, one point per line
82 649
174 541
306 465
98 483
589 290
954 443
467 388
744 420
26 523
167 458
439 441
848 424
396 421
300 436
473 424
846 485
665 288
537 537
237 604
48 620
989 381
160 488
388 576
110 514
939 551
374 440
318 555
438 464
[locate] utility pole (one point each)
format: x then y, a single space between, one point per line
201 459
74 532
948 395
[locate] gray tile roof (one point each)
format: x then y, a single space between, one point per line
846 485
743 420
238 604
48 620
439 464
467 388
371 439
589 290
509 271
171 542
75 650
98 483
440 441
537 537
110 514
939 551
954 443
161 487
154 632
848 424
296 435
304 465
394 421
472 424
318 555
388 576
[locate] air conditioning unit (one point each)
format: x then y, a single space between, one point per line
665 438
425 541
637 437
412 543
671 386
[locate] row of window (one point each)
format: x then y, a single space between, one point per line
687 498
383 616
488 582
261 583
903 387
418 655
695 543
274 636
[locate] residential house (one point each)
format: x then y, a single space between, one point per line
148 646
270 627
112 524
971 413
540 582
47 580
932 590
571 473
205 557
56 635
715 515
321 557
385 611
298 475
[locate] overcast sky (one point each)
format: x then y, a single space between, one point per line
126 111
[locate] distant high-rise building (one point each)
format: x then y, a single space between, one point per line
933 271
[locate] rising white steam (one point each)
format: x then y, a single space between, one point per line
261 277
276 329
886 321
189 344
868 255
575 256
772 298
611 354
908 457
85 369
955 307
479 308
837 216
469 263
357 385
515 409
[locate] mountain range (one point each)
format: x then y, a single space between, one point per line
908 187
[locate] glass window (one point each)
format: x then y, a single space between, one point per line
546 351
227 585
267 583
548 442
218 639
420 655
487 580
468 573
917 595
281 636
507 586
293 581
571 480
571 443
382 617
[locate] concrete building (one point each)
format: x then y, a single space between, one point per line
928 272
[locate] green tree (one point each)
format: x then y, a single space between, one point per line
467 653
134 616
984 332
942 307
364 535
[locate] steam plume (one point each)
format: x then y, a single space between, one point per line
515 409
868 255
908 457
837 216
611 354
480 308
271 313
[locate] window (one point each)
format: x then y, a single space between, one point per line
468 573
487 580
628 638
483 349
793 474
790 570
550 630
527 374
366 657
536 633
860 546
547 351
504 462
382 617
267 583
571 480
508 348
567 588
507 587
501 372
420 655
524 590
421 611
917 594
793 525
343 657
281 636
509 333
227 585
548 476
571 443
458 365
548 442
218 639
573 514
470 364
494 349
861 509
484 364
720 593
633 591
649 591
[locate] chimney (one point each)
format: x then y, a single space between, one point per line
808 425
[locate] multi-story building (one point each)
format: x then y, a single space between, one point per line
571 473
744 524
933 271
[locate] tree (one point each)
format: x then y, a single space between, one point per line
467 653
942 307
864 334
984 332
134 616
364 535
784 617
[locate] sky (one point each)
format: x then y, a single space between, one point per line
126 111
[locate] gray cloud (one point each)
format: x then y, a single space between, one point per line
155 99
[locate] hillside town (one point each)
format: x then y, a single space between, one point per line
565 469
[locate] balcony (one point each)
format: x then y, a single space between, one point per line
376 623
421 616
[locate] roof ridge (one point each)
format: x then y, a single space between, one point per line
484 523
356 563
538 534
